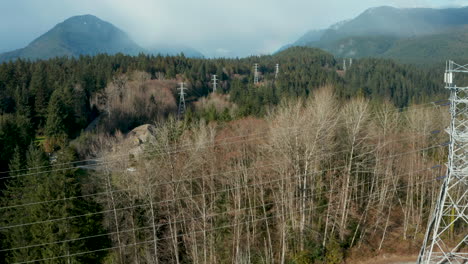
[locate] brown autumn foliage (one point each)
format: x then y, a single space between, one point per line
220 102
314 182
129 101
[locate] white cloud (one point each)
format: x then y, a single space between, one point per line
242 27
220 52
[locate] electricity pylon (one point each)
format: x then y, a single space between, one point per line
214 82
447 232
276 71
256 73
181 89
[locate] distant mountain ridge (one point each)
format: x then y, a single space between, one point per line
383 31
399 22
78 35
83 35
431 48
171 50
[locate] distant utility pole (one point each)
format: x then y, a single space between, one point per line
181 89
256 73
214 82
277 71
344 64
441 243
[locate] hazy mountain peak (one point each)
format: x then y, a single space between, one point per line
378 9
86 22
83 18
77 35
88 35
416 33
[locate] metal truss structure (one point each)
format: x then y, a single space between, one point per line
447 232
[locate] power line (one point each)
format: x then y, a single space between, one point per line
188 179
169 151
174 150
211 215
215 229
434 104
181 198
148 154
216 214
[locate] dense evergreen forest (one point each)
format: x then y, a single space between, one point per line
53 98
57 112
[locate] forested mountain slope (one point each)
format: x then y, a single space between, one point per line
320 161
88 35
79 35
399 22
432 48
27 88
409 35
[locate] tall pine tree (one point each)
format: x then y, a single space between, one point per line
39 211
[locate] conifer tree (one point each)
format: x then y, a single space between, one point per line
39 212
40 91
60 115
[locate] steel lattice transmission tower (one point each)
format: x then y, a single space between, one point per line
214 82
276 71
442 244
255 73
181 89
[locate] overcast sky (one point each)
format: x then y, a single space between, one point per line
214 27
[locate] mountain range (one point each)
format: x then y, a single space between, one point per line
410 35
87 35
